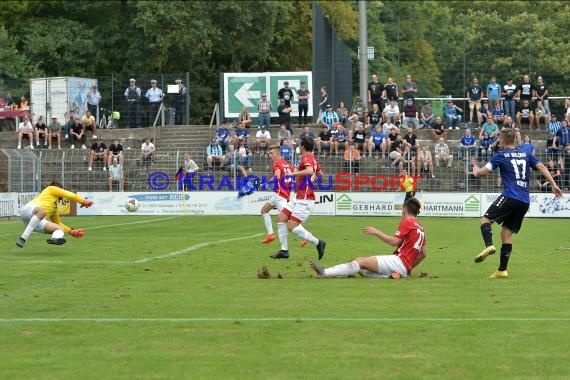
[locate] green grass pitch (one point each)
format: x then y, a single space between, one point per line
150 297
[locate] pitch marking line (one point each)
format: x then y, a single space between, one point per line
194 248
277 319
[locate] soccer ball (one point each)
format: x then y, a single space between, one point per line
132 205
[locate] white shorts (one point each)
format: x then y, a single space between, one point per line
388 264
27 213
393 155
277 201
299 209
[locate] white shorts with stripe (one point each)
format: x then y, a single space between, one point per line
277 201
388 264
26 214
299 209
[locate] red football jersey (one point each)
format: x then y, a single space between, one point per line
413 239
283 185
305 188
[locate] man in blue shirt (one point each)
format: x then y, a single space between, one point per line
154 96
223 134
452 116
511 206
467 144
493 92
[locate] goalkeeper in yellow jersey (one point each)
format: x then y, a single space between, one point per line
41 214
408 184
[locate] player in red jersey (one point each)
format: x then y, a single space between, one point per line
409 240
282 183
298 210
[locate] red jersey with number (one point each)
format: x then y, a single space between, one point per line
413 239
305 188
283 185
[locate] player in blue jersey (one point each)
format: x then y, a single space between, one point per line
511 206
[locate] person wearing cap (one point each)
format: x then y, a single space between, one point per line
303 97
133 97
262 140
286 94
98 152
180 102
154 95
359 112
55 132
329 117
264 109
93 100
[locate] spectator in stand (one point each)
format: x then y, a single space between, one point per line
483 112
452 116
525 114
98 153
306 132
442 153
391 91
262 141
154 96
562 138
329 117
340 139
391 113
427 118
411 140
214 155
408 161
116 175
485 150
388 127
375 91
180 102
525 91
359 139
223 136
324 100
374 118
438 130
284 112
467 145
244 118
240 132
147 152
359 112
378 142
352 159
285 94
396 151
89 123
24 105
303 96
410 113
527 146
409 90
393 136
474 94
541 113
233 162
93 99
490 128
76 134
55 132
42 131
554 171
115 151
26 129
133 97
324 141
498 113
190 165
553 127
283 134
245 155
493 92
187 172
473 182
425 161
287 149
69 120
509 103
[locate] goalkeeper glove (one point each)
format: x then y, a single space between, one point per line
77 233
87 203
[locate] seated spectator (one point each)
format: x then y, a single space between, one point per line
352 159
147 151
554 171
262 140
494 145
306 132
287 149
541 113
388 126
244 118
489 127
69 120
24 105
329 117
411 140
42 132
214 155
427 117
283 134
359 138
408 160
438 130
116 175
374 118
485 150
98 153
25 129
472 181
76 134
442 153
359 112
553 127
410 113
223 136
342 113
466 145
240 133
339 139
396 151
89 124
391 113
233 162
527 145
483 112
498 113
377 142
393 136
55 132
425 161
452 116
115 151
245 155
324 141
525 114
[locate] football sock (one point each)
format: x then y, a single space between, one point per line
57 234
369 274
282 232
343 269
32 224
305 235
267 220
506 250
487 233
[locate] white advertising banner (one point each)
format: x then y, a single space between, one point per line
542 205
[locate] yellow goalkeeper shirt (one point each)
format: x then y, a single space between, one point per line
408 183
50 199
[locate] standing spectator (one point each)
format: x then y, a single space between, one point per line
115 152
285 94
452 116
525 114
154 96
214 155
147 151
493 92
426 116
26 129
264 109
93 100
98 153
324 100
76 134
89 123
223 136
352 159
509 92
180 103
303 97
42 131
466 145
391 90
474 94
342 113
525 91
442 153
244 118
409 89
329 117
438 130
116 175
284 111
133 97
375 91
425 161
262 140
324 141
55 132
410 113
